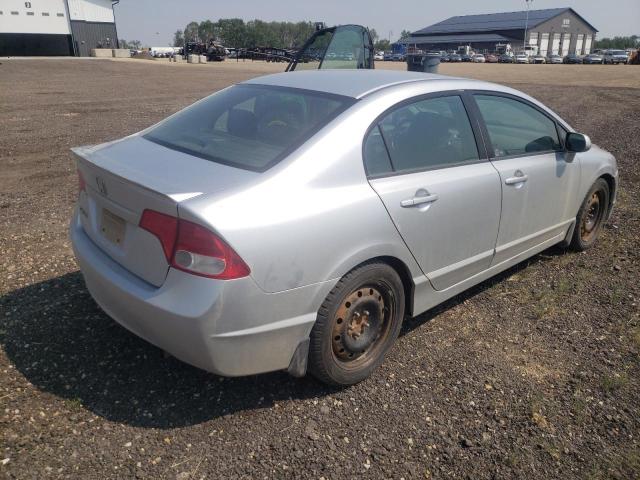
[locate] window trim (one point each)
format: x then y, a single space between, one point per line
473 123
485 130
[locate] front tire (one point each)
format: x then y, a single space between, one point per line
591 216
357 324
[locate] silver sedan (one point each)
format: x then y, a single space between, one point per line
293 221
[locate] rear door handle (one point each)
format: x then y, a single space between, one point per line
518 177
421 197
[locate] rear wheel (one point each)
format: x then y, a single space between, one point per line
591 216
357 324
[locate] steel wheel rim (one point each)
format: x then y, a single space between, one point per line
362 324
591 217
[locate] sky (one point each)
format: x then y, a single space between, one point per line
153 22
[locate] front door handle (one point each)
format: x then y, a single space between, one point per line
518 177
421 197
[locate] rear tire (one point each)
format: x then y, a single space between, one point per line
357 324
591 216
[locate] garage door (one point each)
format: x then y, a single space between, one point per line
566 40
587 44
544 44
555 46
579 44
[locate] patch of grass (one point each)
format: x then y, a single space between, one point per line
579 407
564 286
74 403
611 383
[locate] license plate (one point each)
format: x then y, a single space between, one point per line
112 227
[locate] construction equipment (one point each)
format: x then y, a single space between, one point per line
343 46
211 49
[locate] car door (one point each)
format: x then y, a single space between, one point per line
539 178
424 162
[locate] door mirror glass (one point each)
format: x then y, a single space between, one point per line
577 142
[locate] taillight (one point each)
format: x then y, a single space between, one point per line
82 185
192 248
163 226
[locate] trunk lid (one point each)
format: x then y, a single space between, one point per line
124 178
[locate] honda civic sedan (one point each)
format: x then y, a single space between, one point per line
294 221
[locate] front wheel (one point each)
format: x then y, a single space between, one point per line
357 324
591 216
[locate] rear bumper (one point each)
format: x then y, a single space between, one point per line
230 328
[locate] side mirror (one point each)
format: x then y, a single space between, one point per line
577 142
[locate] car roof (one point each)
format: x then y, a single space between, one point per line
347 82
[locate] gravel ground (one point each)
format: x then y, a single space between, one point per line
533 373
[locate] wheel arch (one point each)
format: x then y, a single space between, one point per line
607 177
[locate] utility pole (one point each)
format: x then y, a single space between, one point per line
526 25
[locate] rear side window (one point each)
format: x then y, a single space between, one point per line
427 134
249 126
516 128
376 158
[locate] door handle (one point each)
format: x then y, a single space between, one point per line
421 197
518 177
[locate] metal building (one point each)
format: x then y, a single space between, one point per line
551 31
56 27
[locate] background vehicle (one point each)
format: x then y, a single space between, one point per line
537 59
454 57
521 58
572 58
466 58
491 58
615 57
592 58
443 213
444 57
504 58
379 56
554 59
388 56
339 47
479 58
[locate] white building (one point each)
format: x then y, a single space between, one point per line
56 27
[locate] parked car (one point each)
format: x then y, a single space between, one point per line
554 59
537 59
379 56
399 57
592 58
572 58
444 57
616 57
521 58
504 58
466 58
388 57
491 58
218 236
479 58
454 57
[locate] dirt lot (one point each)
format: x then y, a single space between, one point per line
532 374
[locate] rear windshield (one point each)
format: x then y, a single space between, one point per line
249 126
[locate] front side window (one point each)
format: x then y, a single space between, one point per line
516 128
249 126
431 133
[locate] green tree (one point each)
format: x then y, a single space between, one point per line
374 35
405 34
382 45
232 32
207 30
618 42
178 39
191 32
